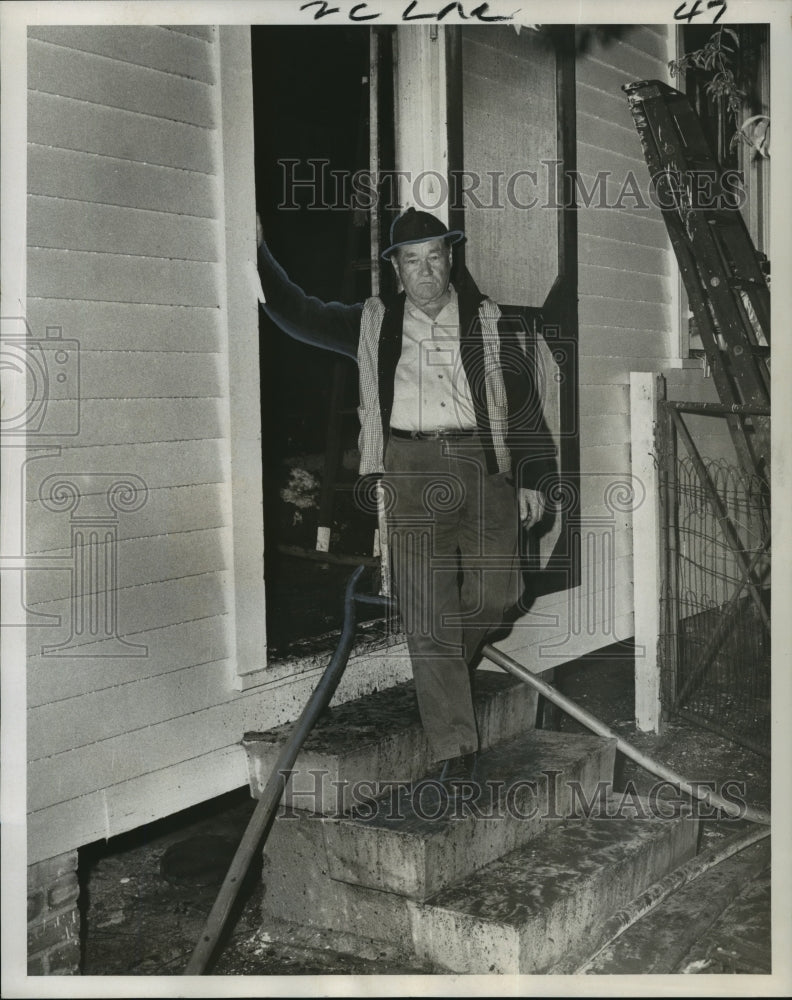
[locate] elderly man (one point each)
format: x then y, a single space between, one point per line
450 420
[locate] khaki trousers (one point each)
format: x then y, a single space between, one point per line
453 535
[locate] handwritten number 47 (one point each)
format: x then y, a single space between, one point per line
680 14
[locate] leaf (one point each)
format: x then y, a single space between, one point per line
733 34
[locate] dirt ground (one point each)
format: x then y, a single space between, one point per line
145 895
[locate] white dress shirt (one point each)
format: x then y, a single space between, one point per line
431 391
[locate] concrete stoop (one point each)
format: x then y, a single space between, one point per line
540 909
379 737
512 873
421 838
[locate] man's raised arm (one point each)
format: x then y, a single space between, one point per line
331 325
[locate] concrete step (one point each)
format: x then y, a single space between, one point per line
299 887
417 839
540 908
379 737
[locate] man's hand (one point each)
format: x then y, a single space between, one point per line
532 506
259 231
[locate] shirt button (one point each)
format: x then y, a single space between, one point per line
442 404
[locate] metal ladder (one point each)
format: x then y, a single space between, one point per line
726 287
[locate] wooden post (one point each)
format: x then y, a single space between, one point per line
646 388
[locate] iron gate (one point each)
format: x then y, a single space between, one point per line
715 595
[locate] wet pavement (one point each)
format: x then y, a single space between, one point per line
145 895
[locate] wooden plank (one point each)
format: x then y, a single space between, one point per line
603 279
610 428
140 561
624 57
143 612
621 187
70 174
133 374
78 772
602 311
94 716
645 391
598 340
613 458
644 229
167 510
114 421
613 370
116 325
242 323
172 647
58 224
107 813
610 104
117 278
597 131
204 31
68 123
119 85
115 762
627 257
142 45
168 463
653 39
599 399
606 76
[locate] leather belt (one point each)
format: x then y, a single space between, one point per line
433 435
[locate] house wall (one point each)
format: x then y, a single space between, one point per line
133 201
627 322
150 564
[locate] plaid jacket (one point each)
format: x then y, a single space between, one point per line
494 353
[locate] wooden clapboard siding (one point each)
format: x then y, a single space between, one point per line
112 421
160 464
125 250
178 508
126 325
109 811
121 805
170 648
619 254
153 48
150 559
626 275
143 609
54 221
73 123
111 82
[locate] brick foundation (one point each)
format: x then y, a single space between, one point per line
53 917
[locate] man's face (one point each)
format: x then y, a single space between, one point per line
424 270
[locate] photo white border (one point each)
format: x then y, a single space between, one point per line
15 17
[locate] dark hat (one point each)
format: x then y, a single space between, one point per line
418 227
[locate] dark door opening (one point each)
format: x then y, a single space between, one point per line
311 101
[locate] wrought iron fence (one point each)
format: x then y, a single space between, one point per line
715 600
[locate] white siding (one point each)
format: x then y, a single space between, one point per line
140 210
123 236
626 322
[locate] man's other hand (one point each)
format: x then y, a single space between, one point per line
532 507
